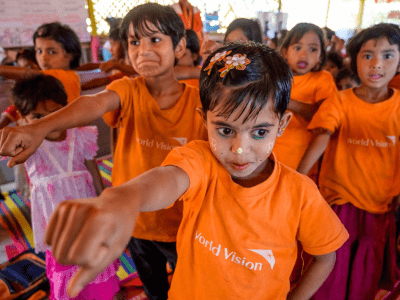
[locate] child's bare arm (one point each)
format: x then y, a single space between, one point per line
94 171
16 73
307 111
94 232
94 83
5 121
186 72
22 141
88 67
315 150
315 275
112 65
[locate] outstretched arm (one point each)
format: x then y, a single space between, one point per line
307 111
315 150
315 275
22 141
92 233
94 171
16 73
113 65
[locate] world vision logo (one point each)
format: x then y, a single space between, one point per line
181 140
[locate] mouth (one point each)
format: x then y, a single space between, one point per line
375 77
302 65
240 167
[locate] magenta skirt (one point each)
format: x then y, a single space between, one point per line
104 286
367 261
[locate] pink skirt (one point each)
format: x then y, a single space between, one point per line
104 286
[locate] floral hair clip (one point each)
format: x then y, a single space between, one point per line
217 57
237 61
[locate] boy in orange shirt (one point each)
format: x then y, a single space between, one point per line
244 211
156 114
359 131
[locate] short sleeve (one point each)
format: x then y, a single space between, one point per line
326 87
329 115
123 87
12 113
320 230
190 159
88 139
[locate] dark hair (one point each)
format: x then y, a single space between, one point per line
29 91
346 73
335 58
267 78
298 31
329 33
166 20
251 29
64 35
27 53
390 31
114 35
193 44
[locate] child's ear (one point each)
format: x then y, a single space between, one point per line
203 115
283 123
180 48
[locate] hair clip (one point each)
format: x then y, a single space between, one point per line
236 61
217 57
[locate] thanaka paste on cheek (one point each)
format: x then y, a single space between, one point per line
213 144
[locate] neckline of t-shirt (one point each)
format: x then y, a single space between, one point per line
387 102
239 190
154 103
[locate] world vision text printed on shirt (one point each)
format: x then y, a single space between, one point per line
233 257
160 145
374 143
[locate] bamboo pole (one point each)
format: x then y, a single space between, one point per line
360 14
91 17
327 13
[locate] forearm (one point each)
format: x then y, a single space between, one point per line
94 83
94 171
307 111
16 73
88 67
184 72
126 69
315 150
315 275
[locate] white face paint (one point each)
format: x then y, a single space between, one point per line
239 150
213 144
270 146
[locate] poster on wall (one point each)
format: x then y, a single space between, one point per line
20 18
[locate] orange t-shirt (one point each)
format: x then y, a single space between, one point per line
362 161
237 242
395 82
309 88
191 20
192 82
70 81
147 134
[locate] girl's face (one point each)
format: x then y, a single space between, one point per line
43 109
304 55
346 83
153 55
236 36
188 59
116 49
244 148
26 63
377 63
51 54
331 68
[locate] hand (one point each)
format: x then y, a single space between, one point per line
208 47
20 142
91 233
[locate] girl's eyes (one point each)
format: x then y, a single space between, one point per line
134 42
259 134
367 56
155 39
224 131
388 55
314 49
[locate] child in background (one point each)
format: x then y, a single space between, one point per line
192 57
232 243
243 30
156 114
26 58
346 79
62 168
358 129
334 62
304 50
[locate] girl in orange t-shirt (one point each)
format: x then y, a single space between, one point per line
232 242
58 52
358 129
304 50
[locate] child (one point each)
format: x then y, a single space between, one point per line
26 58
334 62
358 130
156 114
62 168
346 79
192 57
243 30
304 50
232 243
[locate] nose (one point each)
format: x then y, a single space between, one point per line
144 47
376 63
241 144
